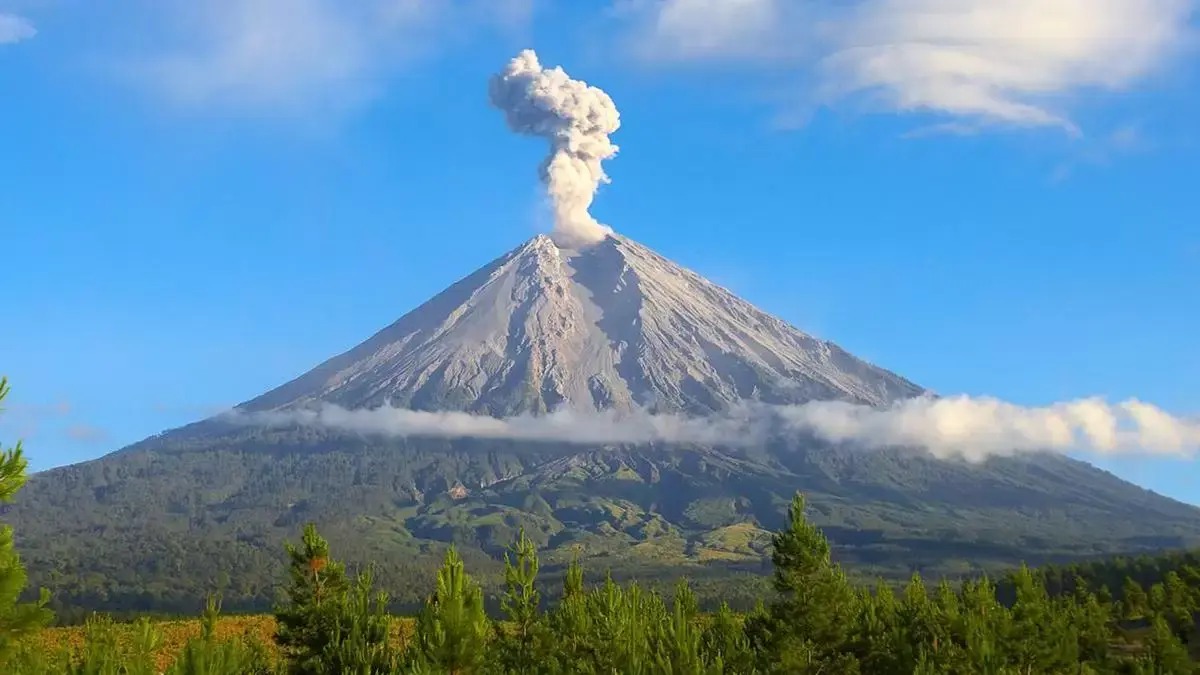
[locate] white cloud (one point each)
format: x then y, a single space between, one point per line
997 62
15 29
712 30
962 427
300 54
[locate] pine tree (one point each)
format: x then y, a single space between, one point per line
983 624
16 618
573 580
308 623
452 630
724 643
519 646
206 655
679 650
103 654
809 624
360 644
875 635
1179 606
1134 602
1094 623
1164 653
1041 638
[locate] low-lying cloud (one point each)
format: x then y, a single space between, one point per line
962 427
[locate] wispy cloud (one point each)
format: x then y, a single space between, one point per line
23 420
288 55
1103 150
1015 63
14 28
965 427
86 433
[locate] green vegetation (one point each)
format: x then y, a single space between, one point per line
16 618
815 619
815 622
160 525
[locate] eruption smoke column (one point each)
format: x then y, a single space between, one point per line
576 118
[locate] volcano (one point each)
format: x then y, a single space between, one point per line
613 326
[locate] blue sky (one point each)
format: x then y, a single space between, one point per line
198 203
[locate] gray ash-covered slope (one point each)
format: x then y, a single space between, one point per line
612 326
165 521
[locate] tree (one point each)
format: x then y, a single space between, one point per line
984 623
360 643
1041 637
573 580
206 655
679 647
16 618
1164 653
809 624
519 645
452 629
1179 605
1134 602
1094 623
308 623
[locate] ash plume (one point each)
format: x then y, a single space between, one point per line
963 427
576 119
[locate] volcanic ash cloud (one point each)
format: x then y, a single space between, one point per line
576 119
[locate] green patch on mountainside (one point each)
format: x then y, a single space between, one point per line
162 524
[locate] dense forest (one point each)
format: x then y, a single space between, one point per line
1118 616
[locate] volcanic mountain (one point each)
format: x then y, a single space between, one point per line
614 326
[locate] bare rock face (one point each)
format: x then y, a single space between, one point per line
614 325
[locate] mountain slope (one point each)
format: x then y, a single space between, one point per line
612 326
163 522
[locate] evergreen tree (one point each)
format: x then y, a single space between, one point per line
1094 625
360 643
1179 605
809 624
16 618
873 637
1134 602
103 654
679 649
1164 653
519 645
573 580
1041 638
206 655
309 622
724 644
983 623
452 630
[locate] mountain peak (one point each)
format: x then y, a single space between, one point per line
613 325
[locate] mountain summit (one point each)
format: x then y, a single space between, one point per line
614 325
164 522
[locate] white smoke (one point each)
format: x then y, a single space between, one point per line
577 119
957 427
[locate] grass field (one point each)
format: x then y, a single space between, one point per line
175 634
